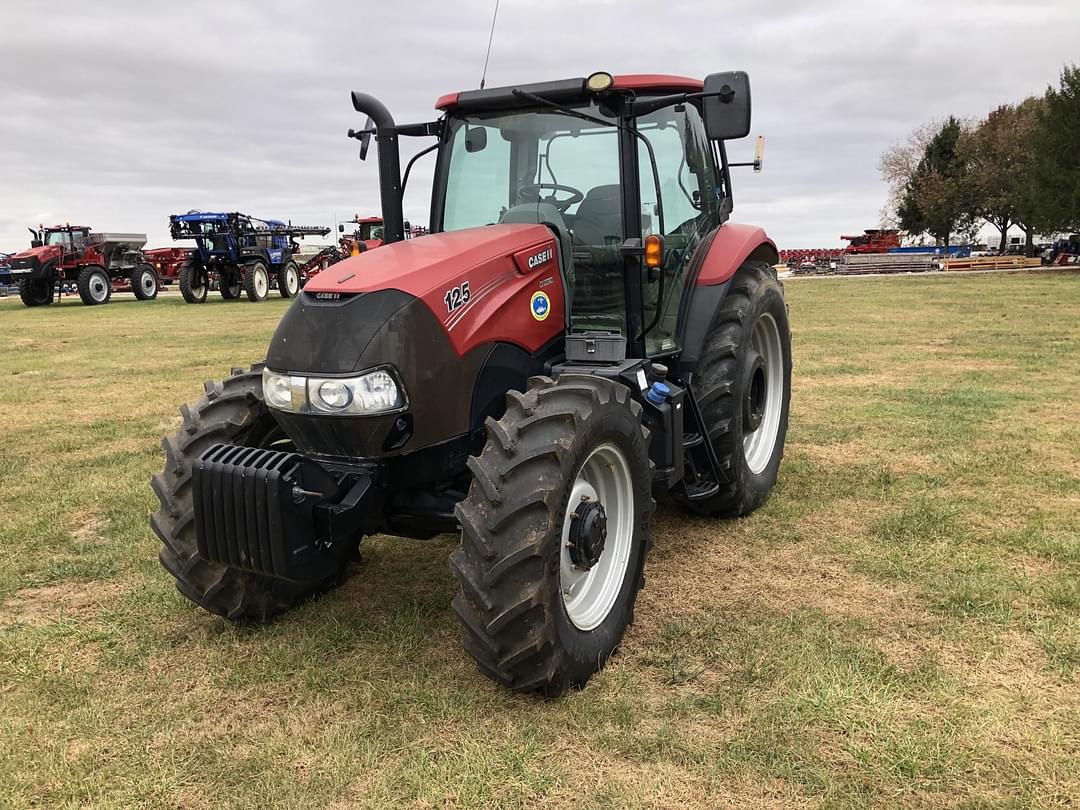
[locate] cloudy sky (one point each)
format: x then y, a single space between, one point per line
119 112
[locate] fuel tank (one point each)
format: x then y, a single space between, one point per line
461 317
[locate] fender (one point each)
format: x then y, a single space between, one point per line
733 244
730 245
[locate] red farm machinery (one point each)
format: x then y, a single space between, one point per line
93 261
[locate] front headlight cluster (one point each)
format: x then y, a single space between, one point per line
374 392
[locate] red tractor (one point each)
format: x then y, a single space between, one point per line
94 261
581 330
368 234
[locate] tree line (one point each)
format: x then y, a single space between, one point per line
1019 166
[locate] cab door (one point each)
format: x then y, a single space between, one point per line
685 211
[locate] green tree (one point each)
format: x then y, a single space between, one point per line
1001 161
939 197
1057 150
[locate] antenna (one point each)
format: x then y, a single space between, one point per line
491 36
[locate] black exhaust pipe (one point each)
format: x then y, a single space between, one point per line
389 164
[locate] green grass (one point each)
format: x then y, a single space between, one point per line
898 626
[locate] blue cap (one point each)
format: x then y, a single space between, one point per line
658 393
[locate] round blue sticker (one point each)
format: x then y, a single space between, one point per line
540 305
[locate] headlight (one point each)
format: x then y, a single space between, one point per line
278 390
375 392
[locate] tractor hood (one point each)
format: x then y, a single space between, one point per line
43 253
427 263
440 311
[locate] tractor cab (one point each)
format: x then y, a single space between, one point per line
630 173
602 187
69 239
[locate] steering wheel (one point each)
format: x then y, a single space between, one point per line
531 193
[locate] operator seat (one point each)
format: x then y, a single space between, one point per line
599 216
544 213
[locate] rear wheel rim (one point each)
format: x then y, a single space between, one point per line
99 287
767 392
148 283
589 595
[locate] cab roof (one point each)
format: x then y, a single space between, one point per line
566 90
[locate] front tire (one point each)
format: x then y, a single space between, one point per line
743 389
193 284
232 411
94 285
36 292
288 280
229 284
554 533
256 281
144 283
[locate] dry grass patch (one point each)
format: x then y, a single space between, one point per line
64 601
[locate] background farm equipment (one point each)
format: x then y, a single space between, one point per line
238 252
167 262
93 261
367 234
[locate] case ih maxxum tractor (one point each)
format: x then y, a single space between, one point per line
94 261
582 329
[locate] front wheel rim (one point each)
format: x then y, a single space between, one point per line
99 287
148 282
261 284
589 595
292 281
760 443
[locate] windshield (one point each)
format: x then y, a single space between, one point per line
543 166
504 160
58 238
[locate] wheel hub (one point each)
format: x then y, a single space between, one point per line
588 533
756 394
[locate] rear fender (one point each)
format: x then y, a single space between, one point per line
732 245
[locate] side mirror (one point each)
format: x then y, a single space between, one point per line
36 243
365 138
475 139
727 105
341 229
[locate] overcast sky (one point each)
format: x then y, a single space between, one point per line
116 114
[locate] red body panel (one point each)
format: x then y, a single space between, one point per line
501 295
732 246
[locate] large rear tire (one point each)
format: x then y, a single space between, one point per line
256 281
193 285
288 280
554 533
36 292
743 388
232 411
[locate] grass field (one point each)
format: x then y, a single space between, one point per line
899 626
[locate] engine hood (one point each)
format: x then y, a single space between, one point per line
424 265
42 253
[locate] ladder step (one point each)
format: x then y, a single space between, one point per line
701 489
692 440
